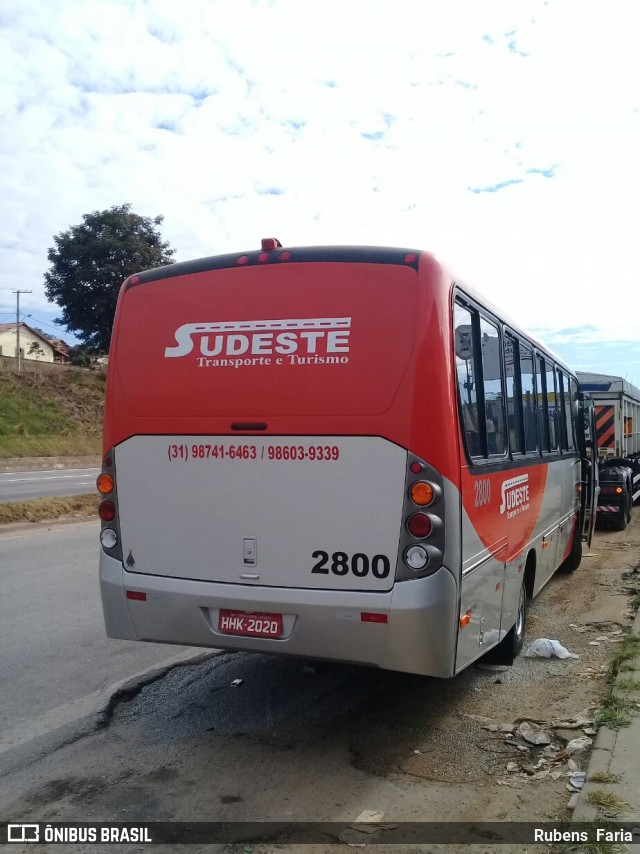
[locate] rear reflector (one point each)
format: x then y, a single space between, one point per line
138 595
367 617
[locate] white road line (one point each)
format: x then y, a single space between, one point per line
38 479
56 471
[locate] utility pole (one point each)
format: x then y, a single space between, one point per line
17 293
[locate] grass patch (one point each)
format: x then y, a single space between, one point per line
49 509
627 684
50 414
72 445
609 802
604 777
615 712
629 650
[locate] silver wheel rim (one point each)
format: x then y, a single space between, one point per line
520 615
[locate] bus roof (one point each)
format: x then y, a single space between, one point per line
327 254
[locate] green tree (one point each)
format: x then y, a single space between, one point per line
90 261
35 350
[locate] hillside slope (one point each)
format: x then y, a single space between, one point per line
51 414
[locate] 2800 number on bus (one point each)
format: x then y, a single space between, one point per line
340 563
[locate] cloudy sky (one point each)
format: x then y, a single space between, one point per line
503 136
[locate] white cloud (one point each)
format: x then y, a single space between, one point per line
374 122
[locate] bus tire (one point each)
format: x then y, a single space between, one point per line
574 559
520 625
511 644
514 640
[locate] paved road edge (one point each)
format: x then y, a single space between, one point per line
80 717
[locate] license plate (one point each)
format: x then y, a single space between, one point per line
252 625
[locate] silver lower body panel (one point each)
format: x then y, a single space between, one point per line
419 636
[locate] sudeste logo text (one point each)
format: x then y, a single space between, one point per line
245 343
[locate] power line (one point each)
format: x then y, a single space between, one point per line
44 323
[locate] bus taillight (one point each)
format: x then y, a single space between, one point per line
416 558
107 511
422 521
104 483
419 525
108 538
422 493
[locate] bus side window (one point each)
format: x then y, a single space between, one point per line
467 377
529 414
552 408
564 409
543 421
560 427
511 358
573 411
492 386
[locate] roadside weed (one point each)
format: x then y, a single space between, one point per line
604 777
608 802
615 712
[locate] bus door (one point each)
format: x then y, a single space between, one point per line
587 445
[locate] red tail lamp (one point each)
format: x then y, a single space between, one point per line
107 511
419 525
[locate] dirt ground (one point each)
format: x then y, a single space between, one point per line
304 742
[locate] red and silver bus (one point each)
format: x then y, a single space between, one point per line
340 453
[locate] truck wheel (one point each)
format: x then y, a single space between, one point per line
621 522
629 506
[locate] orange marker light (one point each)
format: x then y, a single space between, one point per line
618 489
421 493
104 483
465 619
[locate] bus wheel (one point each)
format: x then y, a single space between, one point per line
573 561
516 634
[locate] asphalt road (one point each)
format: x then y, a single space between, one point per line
25 485
54 648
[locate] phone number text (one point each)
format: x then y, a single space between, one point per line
320 453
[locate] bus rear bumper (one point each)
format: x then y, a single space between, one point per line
419 635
